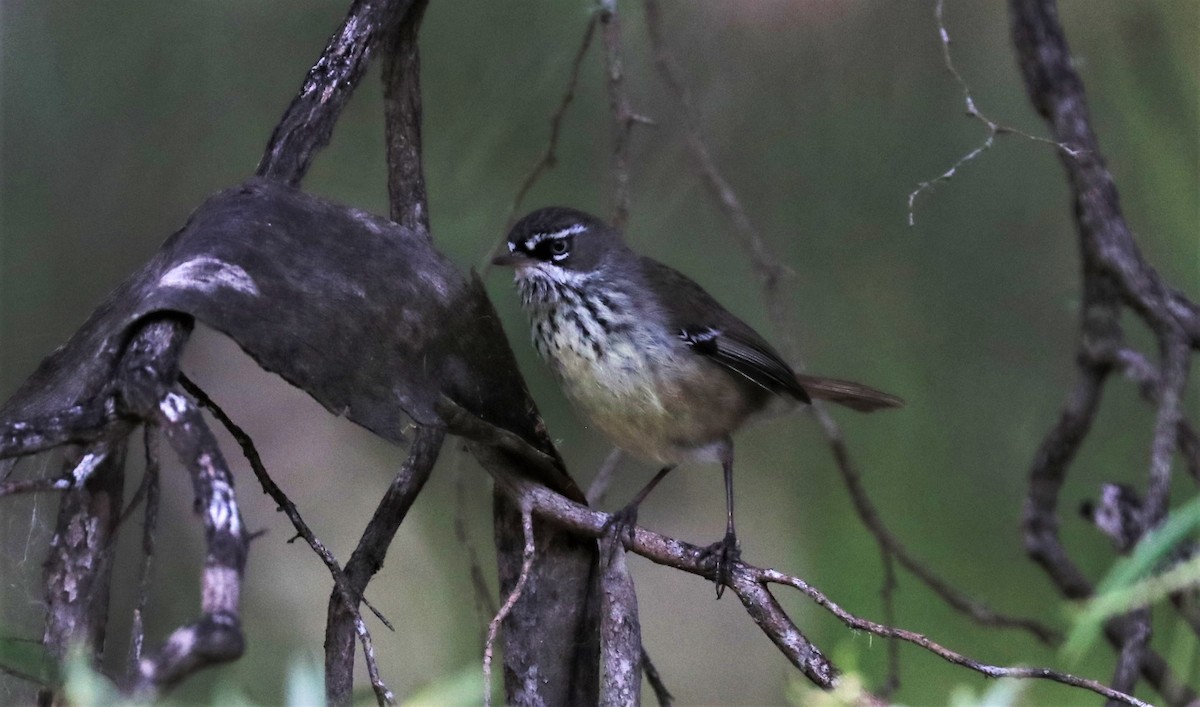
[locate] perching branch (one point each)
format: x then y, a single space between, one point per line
747 581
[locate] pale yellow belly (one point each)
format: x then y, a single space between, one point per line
668 412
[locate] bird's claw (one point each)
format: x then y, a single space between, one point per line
622 524
722 554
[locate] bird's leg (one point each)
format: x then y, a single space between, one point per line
625 519
725 552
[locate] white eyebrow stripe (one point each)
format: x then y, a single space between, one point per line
571 230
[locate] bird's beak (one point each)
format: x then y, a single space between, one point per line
509 259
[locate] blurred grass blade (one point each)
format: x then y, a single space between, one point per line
1130 583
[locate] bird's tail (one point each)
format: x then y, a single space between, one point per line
853 395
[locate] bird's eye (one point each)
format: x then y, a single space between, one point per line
559 246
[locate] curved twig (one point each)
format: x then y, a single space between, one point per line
528 553
748 581
770 276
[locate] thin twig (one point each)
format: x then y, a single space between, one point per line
770 274
489 646
13 488
1115 273
993 128
368 557
661 693
604 476
549 157
690 558
150 481
482 592
623 116
887 595
144 487
285 504
992 671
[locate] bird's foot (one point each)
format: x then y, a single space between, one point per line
622 524
722 554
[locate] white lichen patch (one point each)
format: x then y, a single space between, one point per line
222 506
208 274
173 405
85 467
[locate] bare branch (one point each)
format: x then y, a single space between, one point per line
402 123
770 274
623 117
1132 653
284 504
620 630
549 157
993 128
1146 376
917 639
80 559
489 646
603 478
308 123
1114 274
79 424
216 637
483 593
661 693
749 583
1176 357
773 620
13 488
368 558
887 595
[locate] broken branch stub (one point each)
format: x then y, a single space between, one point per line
359 312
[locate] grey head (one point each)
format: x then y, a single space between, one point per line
558 237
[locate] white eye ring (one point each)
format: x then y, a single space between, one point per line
558 246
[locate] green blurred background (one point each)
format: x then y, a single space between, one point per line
120 117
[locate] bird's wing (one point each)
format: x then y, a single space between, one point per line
712 331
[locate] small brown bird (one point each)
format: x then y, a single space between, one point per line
655 362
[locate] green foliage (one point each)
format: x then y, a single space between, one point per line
848 693
464 687
27 659
1002 693
305 683
85 687
1132 582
